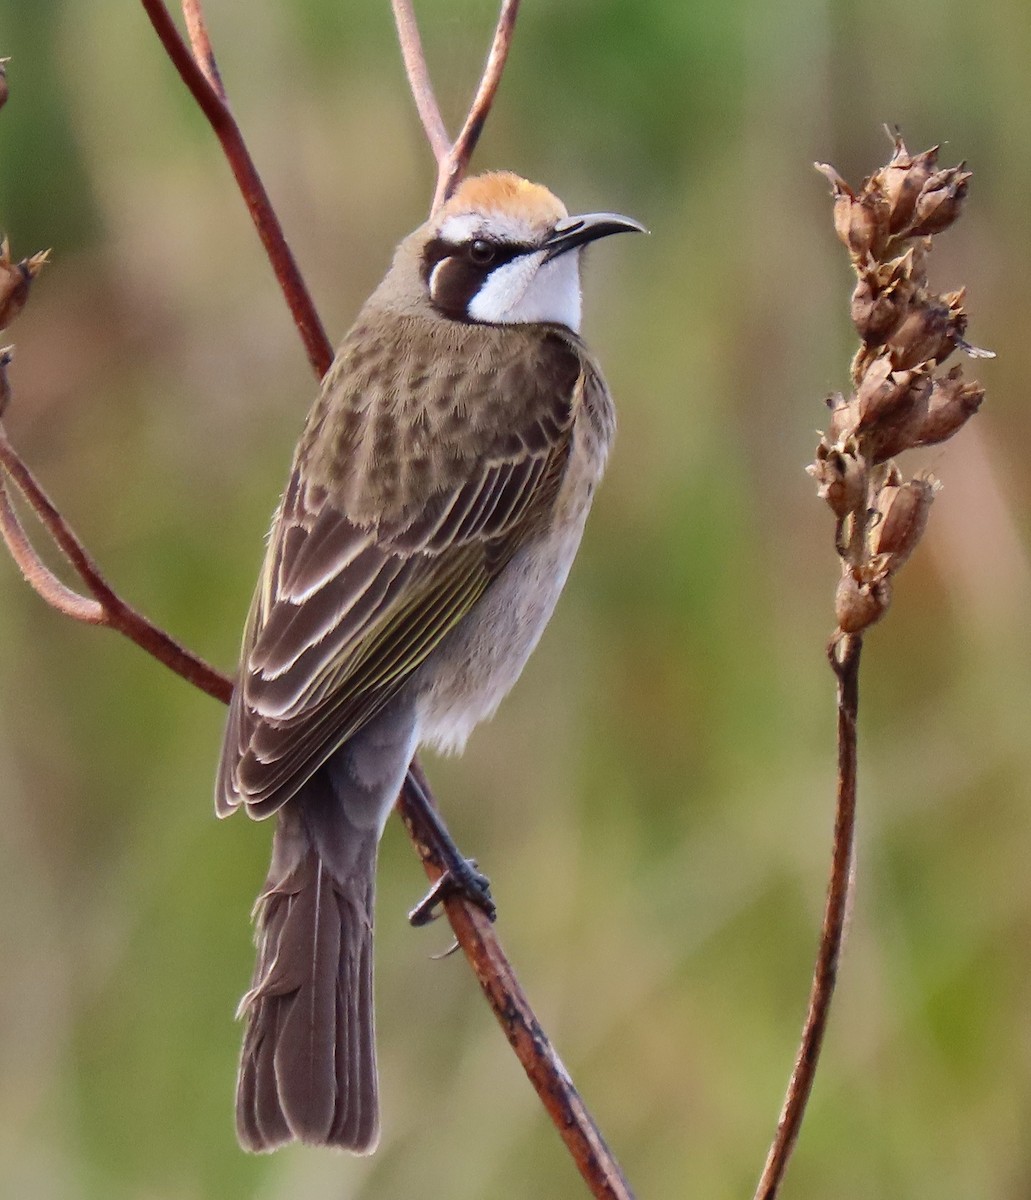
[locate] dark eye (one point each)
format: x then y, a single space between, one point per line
481 253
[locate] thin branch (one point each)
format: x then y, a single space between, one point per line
452 157
212 104
453 170
197 28
113 610
38 575
545 1070
419 80
844 655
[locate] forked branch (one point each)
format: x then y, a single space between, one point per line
452 157
477 937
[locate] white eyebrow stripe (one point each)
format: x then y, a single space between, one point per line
497 226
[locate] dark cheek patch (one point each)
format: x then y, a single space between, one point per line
453 283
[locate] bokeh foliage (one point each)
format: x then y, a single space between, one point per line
654 801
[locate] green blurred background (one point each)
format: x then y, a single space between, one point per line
654 801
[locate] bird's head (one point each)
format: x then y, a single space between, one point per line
504 251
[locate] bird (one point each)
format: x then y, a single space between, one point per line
435 503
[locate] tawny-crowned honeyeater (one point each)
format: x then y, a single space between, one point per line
436 502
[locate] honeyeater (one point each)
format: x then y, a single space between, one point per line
436 501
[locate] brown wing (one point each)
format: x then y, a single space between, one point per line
349 606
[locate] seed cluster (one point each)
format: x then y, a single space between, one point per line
899 399
15 280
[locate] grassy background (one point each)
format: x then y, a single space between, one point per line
654 801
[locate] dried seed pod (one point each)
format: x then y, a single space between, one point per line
877 309
951 404
904 509
858 604
897 431
15 280
840 476
861 222
940 201
885 393
844 417
3 81
902 181
928 333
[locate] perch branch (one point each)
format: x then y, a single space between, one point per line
476 936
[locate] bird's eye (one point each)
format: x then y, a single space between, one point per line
481 253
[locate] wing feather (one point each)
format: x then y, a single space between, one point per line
349 605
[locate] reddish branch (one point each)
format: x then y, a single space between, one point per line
202 78
844 658
452 157
475 934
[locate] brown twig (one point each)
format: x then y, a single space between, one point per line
210 99
474 933
542 1064
107 607
419 79
452 157
197 28
844 658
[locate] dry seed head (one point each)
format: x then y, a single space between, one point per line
904 509
929 333
858 603
15 280
902 181
940 201
840 476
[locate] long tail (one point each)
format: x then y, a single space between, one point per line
309 1056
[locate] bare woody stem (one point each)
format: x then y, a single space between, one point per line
199 72
452 157
543 1066
205 86
844 655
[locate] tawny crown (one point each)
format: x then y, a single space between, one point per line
508 197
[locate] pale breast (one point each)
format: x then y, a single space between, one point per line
474 668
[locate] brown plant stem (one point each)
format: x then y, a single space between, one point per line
544 1068
452 158
843 652
107 607
419 81
211 102
197 28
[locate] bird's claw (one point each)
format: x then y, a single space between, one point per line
460 879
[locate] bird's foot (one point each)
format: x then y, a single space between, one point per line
460 878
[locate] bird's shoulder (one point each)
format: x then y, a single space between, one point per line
413 406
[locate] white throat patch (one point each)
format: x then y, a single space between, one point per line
529 290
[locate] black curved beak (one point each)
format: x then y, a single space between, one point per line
573 232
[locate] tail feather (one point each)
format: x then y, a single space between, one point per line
309 1063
